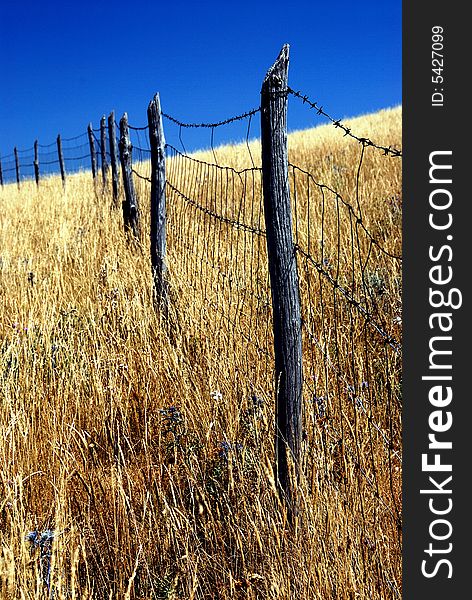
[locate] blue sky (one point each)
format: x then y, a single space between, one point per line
67 63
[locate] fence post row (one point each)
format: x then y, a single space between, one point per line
158 200
283 277
103 148
113 155
130 203
93 156
36 162
61 160
17 166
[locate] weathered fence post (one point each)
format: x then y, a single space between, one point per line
36 162
130 203
1 173
158 201
17 166
61 160
283 277
113 155
103 148
93 156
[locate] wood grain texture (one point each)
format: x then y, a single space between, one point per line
158 201
283 274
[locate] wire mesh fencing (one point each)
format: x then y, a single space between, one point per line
348 248
44 160
216 255
347 234
215 216
76 153
346 209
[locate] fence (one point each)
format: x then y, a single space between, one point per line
271 259
63 156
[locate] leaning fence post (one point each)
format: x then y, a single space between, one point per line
17 166
158 200
283 277
103 148
93 156
36 162
130 203
61 160
113 157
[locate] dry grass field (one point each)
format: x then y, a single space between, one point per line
146 444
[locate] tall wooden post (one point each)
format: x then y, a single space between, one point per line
1 173
17 166
93 155
103 148
36 162
130 203
158 201
61 160
283 277
113 155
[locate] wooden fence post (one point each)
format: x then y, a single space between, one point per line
17 166
158 201
36 162
130 203
93 156
61 160
1 173
103 148
283 278
113 155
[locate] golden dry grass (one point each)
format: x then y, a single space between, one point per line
144 501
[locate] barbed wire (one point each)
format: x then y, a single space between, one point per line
200 181
215 215
143 177
217 241
387 150
245 115
390 340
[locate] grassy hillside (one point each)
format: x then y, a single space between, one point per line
147 444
